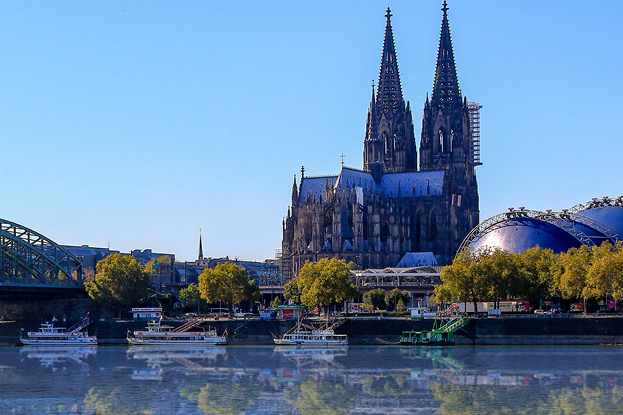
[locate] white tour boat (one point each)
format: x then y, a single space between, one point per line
304 335
48 335
160 334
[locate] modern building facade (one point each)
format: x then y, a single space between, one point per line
375 215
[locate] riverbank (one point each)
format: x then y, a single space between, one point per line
520 330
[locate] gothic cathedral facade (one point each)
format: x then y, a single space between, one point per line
375 215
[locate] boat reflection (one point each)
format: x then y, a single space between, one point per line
311 353
53 356
441 357
161 358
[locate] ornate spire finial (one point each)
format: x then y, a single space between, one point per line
342 156
445 7
388 14
302 172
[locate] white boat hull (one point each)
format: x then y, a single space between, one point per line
311 343
86 341
172 342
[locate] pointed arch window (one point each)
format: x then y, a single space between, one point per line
441 140
451 139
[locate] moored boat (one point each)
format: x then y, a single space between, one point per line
304 335
161 334
48 335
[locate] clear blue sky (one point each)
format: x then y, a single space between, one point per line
138 123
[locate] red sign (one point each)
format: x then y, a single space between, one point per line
288 314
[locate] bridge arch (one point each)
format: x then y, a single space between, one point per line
29 257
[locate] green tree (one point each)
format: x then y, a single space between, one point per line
192 295
605 275
228 283
119 282
500 272
375 299
536 274
252 292
464 280
325 282
396 296
292 292
571 270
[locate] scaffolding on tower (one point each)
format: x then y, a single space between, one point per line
474 130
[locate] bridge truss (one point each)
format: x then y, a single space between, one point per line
27 257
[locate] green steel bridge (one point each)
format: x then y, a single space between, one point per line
31 263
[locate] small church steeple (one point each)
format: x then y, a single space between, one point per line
200 257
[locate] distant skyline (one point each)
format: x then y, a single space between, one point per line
135 124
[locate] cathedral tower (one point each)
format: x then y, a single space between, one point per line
446 141
389 145
445 127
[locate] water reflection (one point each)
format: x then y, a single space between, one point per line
160 358
55 357
269 380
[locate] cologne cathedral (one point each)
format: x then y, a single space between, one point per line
375 215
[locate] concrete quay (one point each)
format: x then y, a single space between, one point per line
519 330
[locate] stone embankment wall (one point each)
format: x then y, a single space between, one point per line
361 331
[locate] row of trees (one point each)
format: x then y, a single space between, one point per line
492 275
378 299
120 281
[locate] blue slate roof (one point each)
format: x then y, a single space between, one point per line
417 259
392 185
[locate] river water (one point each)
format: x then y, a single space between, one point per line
277 380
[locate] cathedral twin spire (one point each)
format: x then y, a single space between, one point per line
389 145
446 85
389 88
446 134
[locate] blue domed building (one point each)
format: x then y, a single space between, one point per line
516 230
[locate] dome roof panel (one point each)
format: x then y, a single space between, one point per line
518 234
609 216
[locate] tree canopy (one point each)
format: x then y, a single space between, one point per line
192 295
228 283
119 282
291 291
325 282
397 299
375 299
